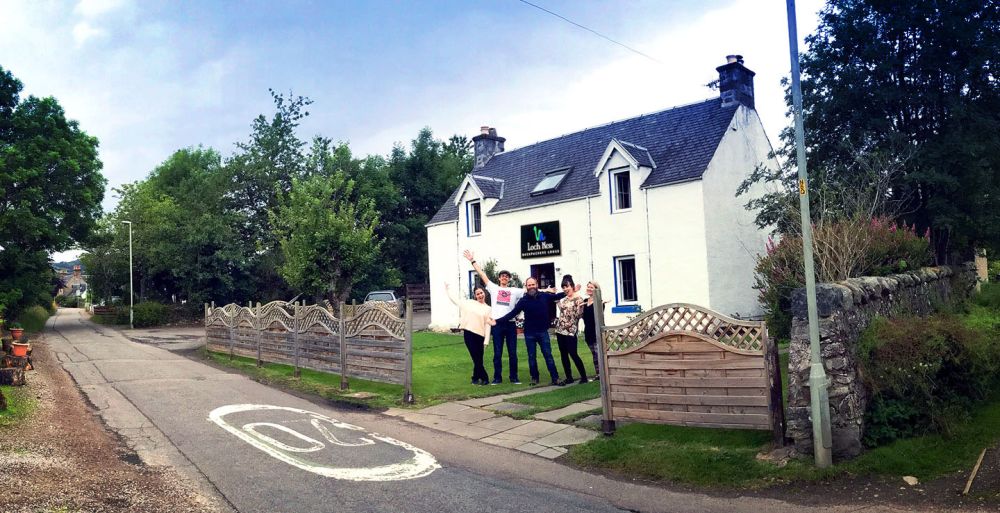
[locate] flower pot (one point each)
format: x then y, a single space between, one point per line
17 333
19 349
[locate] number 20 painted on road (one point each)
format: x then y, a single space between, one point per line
419 465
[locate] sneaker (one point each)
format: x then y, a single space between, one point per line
583 380
557 383
515 381
567 381
495 382
534 382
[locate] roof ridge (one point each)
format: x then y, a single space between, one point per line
609 123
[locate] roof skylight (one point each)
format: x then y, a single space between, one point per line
551 181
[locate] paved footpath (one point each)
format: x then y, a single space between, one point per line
255 448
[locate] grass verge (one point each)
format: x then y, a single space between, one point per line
20 404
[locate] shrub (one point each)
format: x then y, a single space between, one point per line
150 313
841 250
988 296
33 319
924 374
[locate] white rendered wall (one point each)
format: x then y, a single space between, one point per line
733 240
442 244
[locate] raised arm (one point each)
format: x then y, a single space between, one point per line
451 295
475 265
518 308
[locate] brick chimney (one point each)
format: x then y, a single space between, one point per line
487 144
735 82
76 271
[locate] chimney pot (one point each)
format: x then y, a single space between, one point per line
735 82
486 145
485 130
731 58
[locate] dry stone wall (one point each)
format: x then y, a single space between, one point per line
845 310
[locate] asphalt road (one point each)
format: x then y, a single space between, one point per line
257 449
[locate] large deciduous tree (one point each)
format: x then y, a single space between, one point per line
327 236
51 189
913 87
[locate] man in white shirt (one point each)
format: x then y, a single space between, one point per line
502 301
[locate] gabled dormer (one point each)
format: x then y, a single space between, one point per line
621 170
476 196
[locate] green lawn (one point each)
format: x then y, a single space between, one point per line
555 399
20 404
442 371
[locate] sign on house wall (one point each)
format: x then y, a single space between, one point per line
540 240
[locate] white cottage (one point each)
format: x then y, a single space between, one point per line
646 206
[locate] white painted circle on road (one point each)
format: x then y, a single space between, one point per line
420 464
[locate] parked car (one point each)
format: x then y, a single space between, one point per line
387 296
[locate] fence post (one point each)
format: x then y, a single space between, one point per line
408 347
344 385
295 338
607 418
232 340
258 326
775 401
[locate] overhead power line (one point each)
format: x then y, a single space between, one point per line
592 31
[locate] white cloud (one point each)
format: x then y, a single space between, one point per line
84 31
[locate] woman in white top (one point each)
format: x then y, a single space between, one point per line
475 320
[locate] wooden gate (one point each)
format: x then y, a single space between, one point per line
686 365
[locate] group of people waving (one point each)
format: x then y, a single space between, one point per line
479 321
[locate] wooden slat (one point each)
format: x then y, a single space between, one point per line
741 363
722 400
681 345
694 419
689 382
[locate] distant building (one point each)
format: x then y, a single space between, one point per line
73 284
646 206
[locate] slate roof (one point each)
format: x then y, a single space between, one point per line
639 153
490 187
681 141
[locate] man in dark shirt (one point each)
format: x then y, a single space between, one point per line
536 304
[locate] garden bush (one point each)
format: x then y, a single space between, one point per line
841 250
150 313
33 319
924 374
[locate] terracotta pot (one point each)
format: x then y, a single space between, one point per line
18 349
17 333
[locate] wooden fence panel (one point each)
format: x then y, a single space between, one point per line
373 343
686 365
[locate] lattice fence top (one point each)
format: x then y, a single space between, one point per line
367 317
680 318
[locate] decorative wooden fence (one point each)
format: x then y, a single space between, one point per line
686 365
368 341
420 294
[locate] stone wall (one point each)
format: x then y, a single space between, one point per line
845 310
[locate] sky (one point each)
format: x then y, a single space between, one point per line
148 78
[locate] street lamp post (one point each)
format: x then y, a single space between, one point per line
818 381
131 289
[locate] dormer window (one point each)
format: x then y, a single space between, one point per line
551 181
474 217
621 190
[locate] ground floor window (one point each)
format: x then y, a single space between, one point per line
626 285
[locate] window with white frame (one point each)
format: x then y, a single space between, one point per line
474 220
626 284
621 190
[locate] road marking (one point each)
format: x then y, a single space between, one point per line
421 464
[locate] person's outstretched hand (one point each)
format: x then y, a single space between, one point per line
468 255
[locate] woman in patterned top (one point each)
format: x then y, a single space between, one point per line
570 310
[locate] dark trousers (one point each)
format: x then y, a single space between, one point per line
567 350
593 352
475 345
541 339
505 334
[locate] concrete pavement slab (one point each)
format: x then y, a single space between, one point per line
531 448
501 423
537 429
445 409
552 452
508 407
554 415
472 415
572 435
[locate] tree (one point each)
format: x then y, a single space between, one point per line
327 236
51 187
912 82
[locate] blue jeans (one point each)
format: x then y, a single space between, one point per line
541 338
504 334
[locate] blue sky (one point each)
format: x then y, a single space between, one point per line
150 77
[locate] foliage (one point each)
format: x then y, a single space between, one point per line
50 192
70 301
925 374
327 236
909 90
150 313
33 319
841 249
21 402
